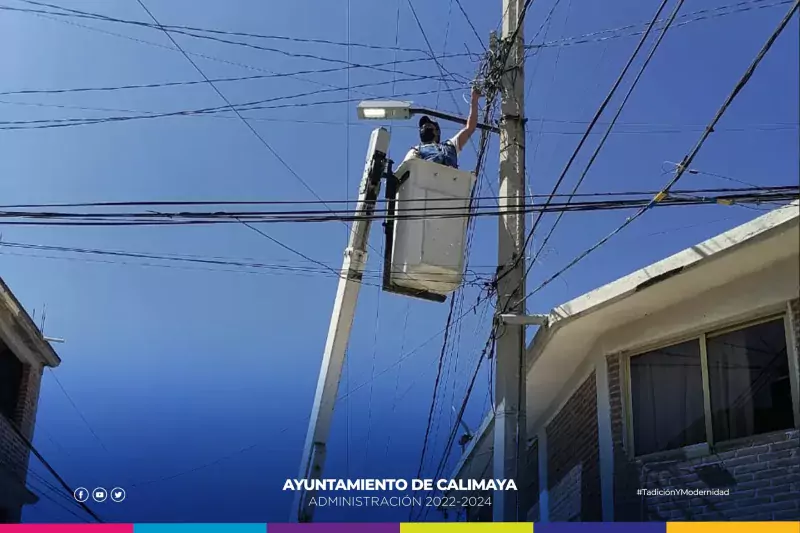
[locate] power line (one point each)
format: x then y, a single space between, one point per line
565 41
665 128
450 322
602 142
471 25
205 56
158 218
495 326
585 136
29 445
352 391
720 176
538 142
592 37
203 466
75 407
255 133
562 42
248 106
751 188
441 68
200 82
347 241
227 102
394 48
478 172
661 196
170 30
454 431
452 299
250 127
268 75
443 71
687 160
444 49
286 247
521 17
46 493
278 268
473 278
436 382
382 255
457 300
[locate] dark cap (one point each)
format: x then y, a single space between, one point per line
427 120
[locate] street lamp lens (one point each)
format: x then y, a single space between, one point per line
374 113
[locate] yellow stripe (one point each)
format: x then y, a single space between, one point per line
733 527
462 527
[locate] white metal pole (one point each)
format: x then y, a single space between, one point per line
344 308
509 426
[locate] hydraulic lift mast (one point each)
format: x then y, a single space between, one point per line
355 258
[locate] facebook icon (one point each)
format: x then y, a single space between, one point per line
81 494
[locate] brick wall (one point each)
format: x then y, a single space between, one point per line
626 478
762 473
529 491
573 465
14 453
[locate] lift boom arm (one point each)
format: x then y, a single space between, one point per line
355 258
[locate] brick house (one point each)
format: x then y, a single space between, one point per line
23 355
682 375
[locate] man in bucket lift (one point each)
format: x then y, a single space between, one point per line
445 153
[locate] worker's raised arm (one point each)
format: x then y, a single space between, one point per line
463 136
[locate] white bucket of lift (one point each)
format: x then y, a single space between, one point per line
428 248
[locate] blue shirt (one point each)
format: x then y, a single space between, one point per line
443 153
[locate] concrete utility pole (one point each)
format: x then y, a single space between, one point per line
509 401
344 309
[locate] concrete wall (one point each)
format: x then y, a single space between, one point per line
762 472
573 464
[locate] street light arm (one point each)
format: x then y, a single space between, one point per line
451 118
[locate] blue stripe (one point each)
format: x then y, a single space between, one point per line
200 528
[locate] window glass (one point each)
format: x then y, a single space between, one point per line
667 398
748 372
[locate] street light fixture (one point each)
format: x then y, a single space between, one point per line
398 110
384 110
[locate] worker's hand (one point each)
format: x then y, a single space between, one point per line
476 93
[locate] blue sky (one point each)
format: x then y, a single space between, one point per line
191 388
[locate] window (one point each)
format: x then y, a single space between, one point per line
748 373
748 389
667 398
10 381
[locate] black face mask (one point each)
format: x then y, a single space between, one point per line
428 133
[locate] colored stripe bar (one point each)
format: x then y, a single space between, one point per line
200 528
733 527
68 528
467 527
333 528
601 527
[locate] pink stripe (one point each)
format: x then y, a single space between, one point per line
67 528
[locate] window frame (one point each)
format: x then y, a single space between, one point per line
701 336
